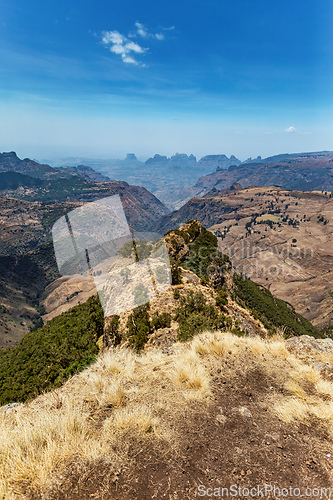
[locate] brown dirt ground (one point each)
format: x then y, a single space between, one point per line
217 447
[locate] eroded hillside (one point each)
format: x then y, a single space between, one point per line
280 239
27 261
218 300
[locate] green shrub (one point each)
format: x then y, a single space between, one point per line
193 229
327 331
37 323
176 274
127 250
138 327
46 357
143 249
271 311
202 251
162 320
113 330
192 324
195 315
228 322
222 299
174 243
205 260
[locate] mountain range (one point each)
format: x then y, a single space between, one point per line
176 179
165 177
9 162
307 171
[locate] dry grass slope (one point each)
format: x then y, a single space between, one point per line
126 403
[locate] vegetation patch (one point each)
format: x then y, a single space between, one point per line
138 327
274 313
194 315
46 357
203 250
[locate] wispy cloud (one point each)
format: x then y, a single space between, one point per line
125 46
294 130
291 130
142 31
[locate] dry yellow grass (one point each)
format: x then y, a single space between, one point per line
306 393
97 413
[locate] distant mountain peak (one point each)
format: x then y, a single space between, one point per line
131 157
218 162
177 160
10 162
8 155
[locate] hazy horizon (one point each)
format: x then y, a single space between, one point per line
54 159
145 158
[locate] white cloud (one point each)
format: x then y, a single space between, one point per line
112 37
135 47
125 47
129 59
121 45
118 49
295 131
141 30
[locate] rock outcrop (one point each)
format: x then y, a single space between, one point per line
218 162
11 162
317 352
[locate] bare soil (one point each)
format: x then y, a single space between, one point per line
219 446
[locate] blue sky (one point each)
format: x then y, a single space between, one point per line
105 78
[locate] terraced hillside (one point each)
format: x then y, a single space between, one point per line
280 239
